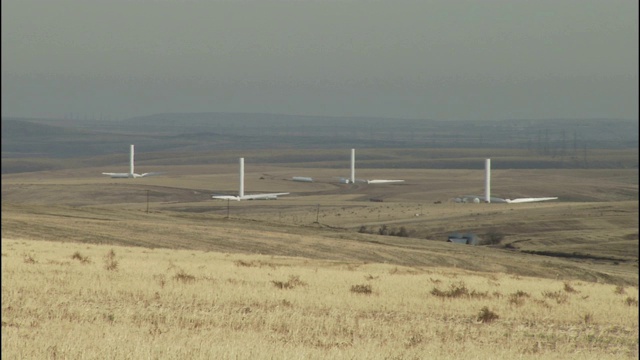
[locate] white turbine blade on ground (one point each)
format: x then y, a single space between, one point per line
152 174
225 197
383 181
353 179
302 179
269 196
117 175
527 200
472 198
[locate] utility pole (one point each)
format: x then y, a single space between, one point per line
318 214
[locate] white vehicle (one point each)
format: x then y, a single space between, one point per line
131 173
353 180
242 196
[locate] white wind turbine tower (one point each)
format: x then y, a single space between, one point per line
487 180
487 192
353 180
131 173
242 196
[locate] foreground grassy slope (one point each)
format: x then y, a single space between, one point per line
69 300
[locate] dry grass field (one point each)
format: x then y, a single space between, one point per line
308 275
84 301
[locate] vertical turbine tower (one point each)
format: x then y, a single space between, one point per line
131 161
353 166
487 180
241 193
131 173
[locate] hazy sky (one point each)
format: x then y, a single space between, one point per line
432 59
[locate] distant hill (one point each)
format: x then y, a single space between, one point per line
389 132
547 143
25 129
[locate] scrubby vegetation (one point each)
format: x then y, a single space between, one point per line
166 303
493 237
385 230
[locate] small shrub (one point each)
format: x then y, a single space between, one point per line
413 340
518 297
587 318
559 297
28 259
619 290
110 262
181 275
244 263
631 301
402 232
61 263
568 288
109 317
361 289
542 303
294 281
83 259
458 290
486 316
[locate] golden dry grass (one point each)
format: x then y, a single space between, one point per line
172 304
185 281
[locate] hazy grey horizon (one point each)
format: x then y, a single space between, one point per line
430 59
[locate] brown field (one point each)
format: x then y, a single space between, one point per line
294 278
